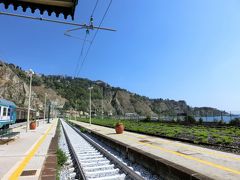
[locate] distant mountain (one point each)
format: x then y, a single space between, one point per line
73 93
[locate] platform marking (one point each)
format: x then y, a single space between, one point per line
208 152
195 159
189 157
26 160
192 148
192 158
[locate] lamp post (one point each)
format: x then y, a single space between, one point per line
49 111
75 111
102 102
30 73
90 106
45 104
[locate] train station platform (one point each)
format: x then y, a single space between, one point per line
23 158
168 156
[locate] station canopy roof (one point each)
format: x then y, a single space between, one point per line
65 7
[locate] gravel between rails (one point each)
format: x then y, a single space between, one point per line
143 172
94 166
67 171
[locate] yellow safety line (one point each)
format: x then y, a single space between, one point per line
190 157
26 160
193 149
195 159
208 152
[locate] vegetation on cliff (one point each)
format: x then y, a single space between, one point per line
115 100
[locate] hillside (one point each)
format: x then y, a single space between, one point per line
73 93
14 86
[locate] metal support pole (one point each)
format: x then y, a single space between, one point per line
49 112
75 111
102 103
90 105
29 102
45 104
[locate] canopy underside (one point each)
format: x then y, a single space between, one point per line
65 7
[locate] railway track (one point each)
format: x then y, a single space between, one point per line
91 161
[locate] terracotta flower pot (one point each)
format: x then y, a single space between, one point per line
119 128
33 125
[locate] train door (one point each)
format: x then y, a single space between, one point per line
10 113
13 114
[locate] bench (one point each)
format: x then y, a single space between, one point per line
7 134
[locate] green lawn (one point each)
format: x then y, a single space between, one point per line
197 134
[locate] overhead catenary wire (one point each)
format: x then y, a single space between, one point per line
85 38
76 37
94 8
89 47
66 33
78 62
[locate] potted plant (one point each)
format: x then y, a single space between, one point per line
119 128
33 125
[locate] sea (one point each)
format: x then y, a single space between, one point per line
225 118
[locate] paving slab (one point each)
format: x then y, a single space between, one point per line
211 163
25 155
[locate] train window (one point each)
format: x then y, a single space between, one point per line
4 111
9 110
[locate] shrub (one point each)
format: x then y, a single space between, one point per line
235 122
224 140
227 140
204 140
61 157
200 121
221 122
189 120
118 124
178 120
147 119
83 130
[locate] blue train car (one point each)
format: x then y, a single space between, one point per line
7 113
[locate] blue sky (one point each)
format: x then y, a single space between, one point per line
162 48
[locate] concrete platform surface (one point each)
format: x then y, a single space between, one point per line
24 157
211 163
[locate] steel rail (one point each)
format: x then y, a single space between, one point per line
114 160
75 158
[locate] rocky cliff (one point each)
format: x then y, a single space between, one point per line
73 93
14 87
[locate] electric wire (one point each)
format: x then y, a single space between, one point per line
89 47
78 62
94 8
84 42
66 33
76 37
